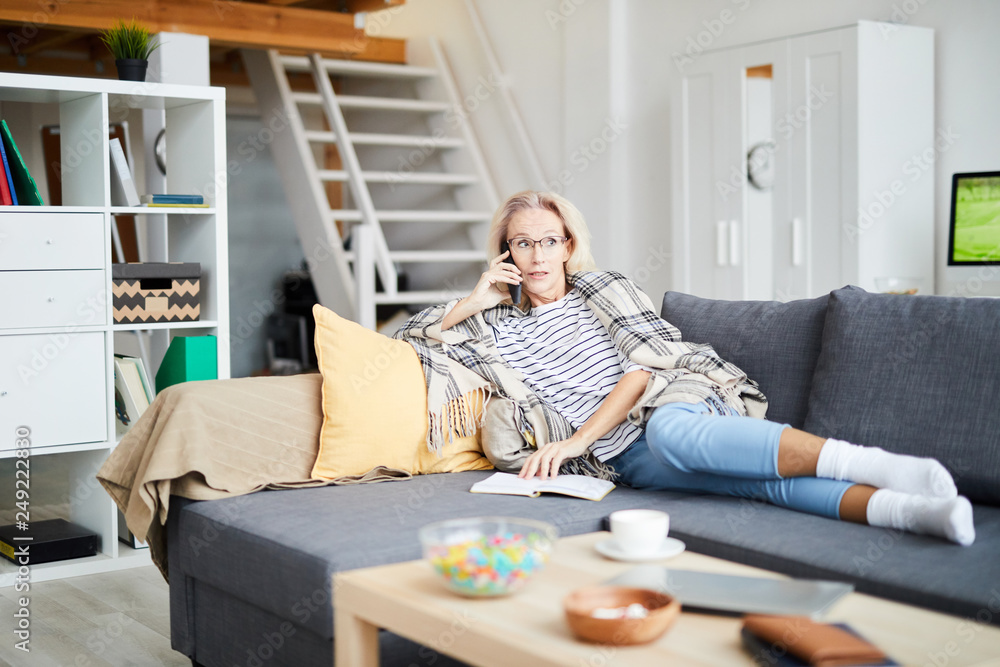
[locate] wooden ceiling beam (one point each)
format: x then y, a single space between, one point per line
224 22
357 6
50 41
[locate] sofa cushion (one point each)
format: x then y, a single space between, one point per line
775 343
375 406
278 550
914 375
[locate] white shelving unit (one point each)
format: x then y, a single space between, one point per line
57 336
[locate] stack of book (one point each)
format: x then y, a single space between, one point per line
17 187
124 192
177 201
133 392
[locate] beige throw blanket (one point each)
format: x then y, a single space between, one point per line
218 439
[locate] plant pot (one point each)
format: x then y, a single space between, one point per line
131 69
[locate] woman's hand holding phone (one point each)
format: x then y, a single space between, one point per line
488 292
490 289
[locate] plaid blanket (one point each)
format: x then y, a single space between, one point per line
464 369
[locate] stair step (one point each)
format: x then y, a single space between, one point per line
410 256
359 68
429 297
385 103
431 256
354 215
370 139
412 178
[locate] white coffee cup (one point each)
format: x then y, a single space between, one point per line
639 532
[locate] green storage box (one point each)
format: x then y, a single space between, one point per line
188 358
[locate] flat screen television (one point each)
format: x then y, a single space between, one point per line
974 229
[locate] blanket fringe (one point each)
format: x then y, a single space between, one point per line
462 417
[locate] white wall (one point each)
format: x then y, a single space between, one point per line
967 54
530 54
580 68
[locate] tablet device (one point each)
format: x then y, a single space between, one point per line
730 594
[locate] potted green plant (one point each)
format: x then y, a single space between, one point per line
130 43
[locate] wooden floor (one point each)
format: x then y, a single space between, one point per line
118 618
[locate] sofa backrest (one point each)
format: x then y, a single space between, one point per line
776 344
914 375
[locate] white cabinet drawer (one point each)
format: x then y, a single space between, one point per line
52 298
55 384
51 241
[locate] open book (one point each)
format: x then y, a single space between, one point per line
578 486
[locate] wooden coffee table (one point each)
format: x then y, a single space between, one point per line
529 628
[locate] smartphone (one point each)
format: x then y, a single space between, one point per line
515 290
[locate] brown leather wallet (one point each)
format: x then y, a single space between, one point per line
818 643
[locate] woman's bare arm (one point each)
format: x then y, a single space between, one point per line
612 412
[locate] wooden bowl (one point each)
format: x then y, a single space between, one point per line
663 610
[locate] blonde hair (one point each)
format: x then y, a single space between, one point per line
580 258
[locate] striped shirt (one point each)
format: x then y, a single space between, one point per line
568 359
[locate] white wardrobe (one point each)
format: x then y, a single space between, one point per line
806 163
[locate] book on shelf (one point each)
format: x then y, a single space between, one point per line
127 536
8 186
123 192
177 200
132 395
176 205
23 188
140 368
5 193
578 486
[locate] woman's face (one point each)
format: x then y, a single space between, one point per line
543 272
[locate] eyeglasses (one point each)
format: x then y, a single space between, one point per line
522 245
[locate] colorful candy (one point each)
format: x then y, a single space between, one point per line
490 565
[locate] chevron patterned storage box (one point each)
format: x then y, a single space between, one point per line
150 292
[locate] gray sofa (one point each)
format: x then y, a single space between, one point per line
250 576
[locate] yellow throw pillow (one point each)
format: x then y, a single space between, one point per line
375 406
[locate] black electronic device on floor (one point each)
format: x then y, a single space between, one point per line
46 541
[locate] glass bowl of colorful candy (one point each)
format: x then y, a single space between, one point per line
487 556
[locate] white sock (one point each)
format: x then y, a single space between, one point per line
884 470
950 518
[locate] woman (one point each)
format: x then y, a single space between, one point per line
598 381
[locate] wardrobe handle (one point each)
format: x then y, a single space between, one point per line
734 243
797 250
722 243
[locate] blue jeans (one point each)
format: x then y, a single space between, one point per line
706 448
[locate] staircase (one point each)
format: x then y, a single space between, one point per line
417 197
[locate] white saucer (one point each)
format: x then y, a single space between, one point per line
670 548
